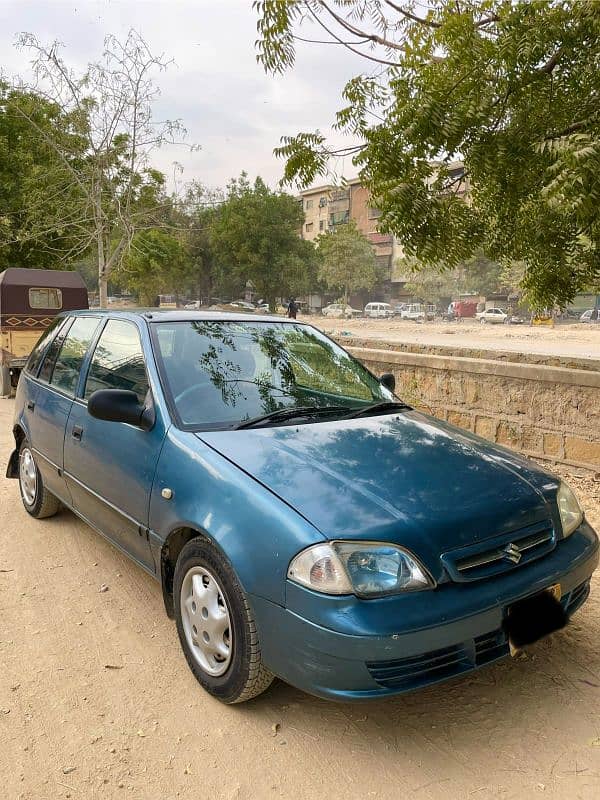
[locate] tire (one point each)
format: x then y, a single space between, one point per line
208 593
5 382
483 321
38 501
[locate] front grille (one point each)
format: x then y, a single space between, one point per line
500 554
437 665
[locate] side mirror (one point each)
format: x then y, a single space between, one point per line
120 405
388 380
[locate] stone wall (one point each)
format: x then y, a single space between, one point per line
543 411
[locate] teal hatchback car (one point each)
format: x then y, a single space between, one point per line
303 522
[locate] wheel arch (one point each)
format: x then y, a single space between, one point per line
169 553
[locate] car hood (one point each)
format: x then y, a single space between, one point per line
406 478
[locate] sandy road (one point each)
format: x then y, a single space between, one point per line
566 339
72 727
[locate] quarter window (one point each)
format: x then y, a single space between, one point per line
38 351
45 298
118 361
65 375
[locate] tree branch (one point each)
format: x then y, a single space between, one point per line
373 37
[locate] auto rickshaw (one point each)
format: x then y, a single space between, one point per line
29 301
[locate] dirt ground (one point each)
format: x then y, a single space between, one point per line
96 700
565 339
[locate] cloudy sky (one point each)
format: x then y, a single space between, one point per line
229 106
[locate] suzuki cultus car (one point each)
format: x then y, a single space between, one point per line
302 521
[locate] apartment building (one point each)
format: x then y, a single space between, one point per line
326 207
315 204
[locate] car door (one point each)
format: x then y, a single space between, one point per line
48 406
109 466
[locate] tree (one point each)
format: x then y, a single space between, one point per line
103 149
255 238
513 88
155 264
30 199
348 262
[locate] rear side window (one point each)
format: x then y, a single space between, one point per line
38 351
118 361
45 298
65 375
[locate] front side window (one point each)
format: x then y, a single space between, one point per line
45 298
38 351
219 374
65 375
118 361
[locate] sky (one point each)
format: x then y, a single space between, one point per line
229 106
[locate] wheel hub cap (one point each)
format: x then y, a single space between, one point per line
206 621
28 476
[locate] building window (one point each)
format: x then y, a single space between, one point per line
308 227
321 224
374 213
322 201
45 298
309 204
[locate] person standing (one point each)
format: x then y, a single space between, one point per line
292 309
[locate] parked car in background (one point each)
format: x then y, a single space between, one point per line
29 301
244 304
193 305
492 315
378 310
587 315
303 522
339 310
399 308
416 311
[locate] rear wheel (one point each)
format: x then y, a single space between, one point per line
38 501
216 626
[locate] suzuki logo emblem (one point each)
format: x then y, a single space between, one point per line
512 553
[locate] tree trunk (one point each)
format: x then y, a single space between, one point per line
103 289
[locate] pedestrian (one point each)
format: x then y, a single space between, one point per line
292 309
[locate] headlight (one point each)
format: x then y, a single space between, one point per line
366 569
571 515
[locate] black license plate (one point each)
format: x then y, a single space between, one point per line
534 617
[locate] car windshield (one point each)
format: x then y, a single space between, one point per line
219 374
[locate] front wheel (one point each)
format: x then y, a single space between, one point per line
38 501
216 626
482 321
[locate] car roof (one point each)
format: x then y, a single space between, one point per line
153 315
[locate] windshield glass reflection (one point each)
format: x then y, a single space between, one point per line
222 373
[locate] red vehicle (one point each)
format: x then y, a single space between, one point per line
463 308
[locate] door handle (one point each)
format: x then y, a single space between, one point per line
77 432
30 405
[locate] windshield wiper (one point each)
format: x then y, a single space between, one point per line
375 408
282 414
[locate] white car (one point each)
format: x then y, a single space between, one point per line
587 315
413 311
244 305
379 310
339 310
193 306
493 315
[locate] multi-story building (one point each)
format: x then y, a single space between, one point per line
326 207
315 204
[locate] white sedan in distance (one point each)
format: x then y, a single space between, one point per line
339 310
493 315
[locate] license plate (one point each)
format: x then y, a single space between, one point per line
533 618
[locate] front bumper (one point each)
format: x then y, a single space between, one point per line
343 648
